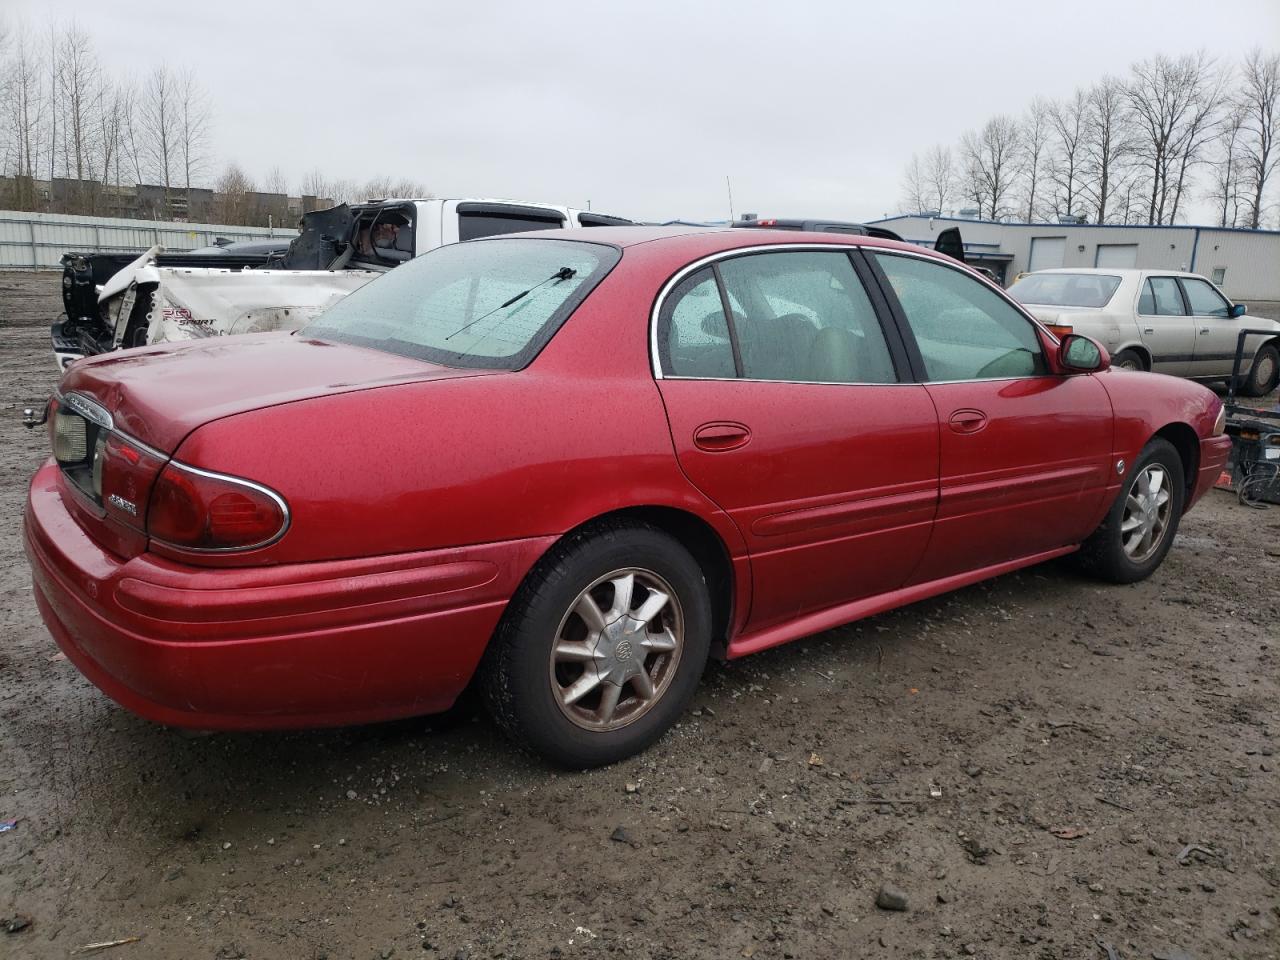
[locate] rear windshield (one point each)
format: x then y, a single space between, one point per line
488 303
1065 289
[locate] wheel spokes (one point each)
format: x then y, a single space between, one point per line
574 652
608 702
643 685
590 612
662 642
651 607
623 587
581 687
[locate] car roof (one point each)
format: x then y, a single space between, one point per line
702 241
1119 272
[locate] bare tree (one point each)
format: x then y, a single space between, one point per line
25 111
1260 99
1228 168
1036 130
233 204
1174 103
990 157
78 96
52 95
383 187
1068 120
160 127
133 142
914 186
316 184
194 116
940 177
276 182
1108 142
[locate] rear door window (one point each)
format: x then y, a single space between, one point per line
804 317
963 328
693 334
1161 298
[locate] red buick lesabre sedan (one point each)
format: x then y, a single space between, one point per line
574 465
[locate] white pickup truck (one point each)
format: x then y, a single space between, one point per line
337 251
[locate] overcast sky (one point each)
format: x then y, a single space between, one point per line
811 108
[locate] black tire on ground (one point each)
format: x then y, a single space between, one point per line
516 676
1128 360
1265 372
1103 555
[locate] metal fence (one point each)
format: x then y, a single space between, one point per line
36 241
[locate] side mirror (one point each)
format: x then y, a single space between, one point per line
1237 310
1080 354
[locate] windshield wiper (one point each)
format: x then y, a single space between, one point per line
564 273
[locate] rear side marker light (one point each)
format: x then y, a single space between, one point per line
199 510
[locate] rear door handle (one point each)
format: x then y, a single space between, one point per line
967 421
721 435
1204 329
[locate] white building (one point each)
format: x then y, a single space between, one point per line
1245 263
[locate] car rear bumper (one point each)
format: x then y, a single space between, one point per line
1213 457
302 645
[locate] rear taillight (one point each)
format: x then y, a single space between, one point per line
1059 330
197 510
122 478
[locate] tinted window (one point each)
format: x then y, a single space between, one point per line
964 329
474 226
1205 301
492 304
1065 289
805 317
1160 298
693 335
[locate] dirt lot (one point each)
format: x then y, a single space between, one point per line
1026 759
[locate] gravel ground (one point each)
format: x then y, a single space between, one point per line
1024 760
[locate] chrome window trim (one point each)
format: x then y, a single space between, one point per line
674 280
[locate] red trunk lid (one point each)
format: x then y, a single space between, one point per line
160 394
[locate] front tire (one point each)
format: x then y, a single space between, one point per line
1265 372
1139 529
601 649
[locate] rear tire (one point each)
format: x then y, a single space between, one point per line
1128 360
1138 531
546 648
1265 372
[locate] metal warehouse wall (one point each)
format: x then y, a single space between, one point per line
38 240
1250 258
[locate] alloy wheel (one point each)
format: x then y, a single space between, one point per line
1147 511
617 649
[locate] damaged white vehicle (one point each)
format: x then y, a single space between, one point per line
150 301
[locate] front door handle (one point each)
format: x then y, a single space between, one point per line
1204 329
967 421
721 435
